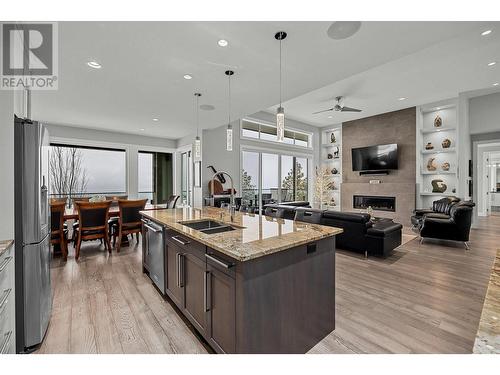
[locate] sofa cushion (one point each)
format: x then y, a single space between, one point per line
383 228
309 215
437 215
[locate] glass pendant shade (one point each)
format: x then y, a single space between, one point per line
280 124
197 147
229 138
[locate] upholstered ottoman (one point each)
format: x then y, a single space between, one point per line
383 237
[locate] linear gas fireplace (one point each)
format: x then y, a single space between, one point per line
376 202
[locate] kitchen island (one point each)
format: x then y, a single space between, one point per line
253 285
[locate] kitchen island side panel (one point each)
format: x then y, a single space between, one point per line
285 302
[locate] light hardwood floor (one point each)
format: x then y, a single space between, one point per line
423 299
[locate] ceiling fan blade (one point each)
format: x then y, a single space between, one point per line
349 109
325 110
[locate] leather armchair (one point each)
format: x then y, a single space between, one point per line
455 227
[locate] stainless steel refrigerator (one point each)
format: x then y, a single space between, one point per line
32 233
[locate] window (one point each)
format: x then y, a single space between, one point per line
250 178
275 177
85 171
145 182
267 132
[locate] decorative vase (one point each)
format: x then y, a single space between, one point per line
446 143
438 186
429 146
335 171
431 165
438 121
332 138
446 166
330 156
332 202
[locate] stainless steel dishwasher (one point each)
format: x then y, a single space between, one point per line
154 256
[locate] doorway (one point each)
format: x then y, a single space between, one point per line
488 179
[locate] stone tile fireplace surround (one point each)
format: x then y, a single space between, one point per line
394 127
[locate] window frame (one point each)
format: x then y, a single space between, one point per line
287 128
260 150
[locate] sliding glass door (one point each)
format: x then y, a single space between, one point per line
273 178
155 172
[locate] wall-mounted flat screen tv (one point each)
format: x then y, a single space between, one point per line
375 158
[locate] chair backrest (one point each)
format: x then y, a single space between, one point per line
172 201
354 225
57 215
275 211
79 200
308 215
129 210
93 215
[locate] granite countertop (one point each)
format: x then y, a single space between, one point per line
4 246
488 333
257 235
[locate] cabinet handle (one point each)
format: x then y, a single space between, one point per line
179 240
205 292
6 342
4 263
181 266
177 270
155 230
219 262
4 300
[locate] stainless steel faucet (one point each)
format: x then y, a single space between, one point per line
232 207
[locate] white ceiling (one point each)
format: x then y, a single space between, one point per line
440 71
144 63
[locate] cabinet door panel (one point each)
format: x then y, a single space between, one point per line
194 285
221 294
174 290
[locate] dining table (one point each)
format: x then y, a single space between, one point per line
72 213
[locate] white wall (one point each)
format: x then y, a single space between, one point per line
485 114
132 144
7 165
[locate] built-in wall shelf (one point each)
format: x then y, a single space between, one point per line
437 130
438 172
326 179
446 114
445 194
331 144
438 151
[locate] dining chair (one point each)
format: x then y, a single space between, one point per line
93 218
129 220
113 221
172 201
74 235
58 232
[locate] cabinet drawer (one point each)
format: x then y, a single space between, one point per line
221 262
185 243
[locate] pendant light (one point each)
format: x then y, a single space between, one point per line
280 112
197 141
229 130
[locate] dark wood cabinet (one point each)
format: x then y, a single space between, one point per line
194 271
174 280
221 315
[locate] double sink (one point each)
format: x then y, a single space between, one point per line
209 226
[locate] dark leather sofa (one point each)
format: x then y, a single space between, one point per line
360 233
449 219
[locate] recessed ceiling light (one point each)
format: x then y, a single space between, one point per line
492 63
330 116
155 119
402 98
496 84
486 32
141 129
438 108
207 107
343 29
222 43
188 76
94 64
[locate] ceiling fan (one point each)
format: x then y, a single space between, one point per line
339 107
